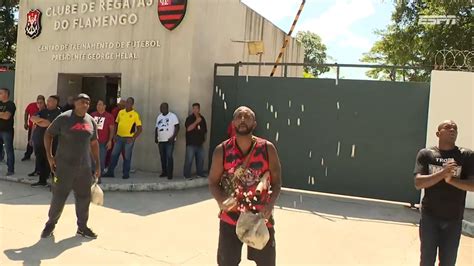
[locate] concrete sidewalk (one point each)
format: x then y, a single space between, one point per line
181 228
139 181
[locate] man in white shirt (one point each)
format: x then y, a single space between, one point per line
166 130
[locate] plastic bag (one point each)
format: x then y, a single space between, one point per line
97 195
252 230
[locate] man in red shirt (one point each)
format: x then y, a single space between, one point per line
31 110
106 130
245 176
120 106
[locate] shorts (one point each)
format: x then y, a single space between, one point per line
229 251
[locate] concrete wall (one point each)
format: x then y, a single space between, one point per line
452 97
179 72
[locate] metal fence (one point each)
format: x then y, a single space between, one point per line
351 137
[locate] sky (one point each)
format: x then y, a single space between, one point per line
346 27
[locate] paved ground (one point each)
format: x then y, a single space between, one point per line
180 228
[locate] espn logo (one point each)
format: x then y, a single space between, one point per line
436 20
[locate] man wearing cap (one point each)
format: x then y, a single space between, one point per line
77 140
245 176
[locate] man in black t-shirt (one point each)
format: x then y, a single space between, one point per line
446 172
196 130
7 113
42 120
77 141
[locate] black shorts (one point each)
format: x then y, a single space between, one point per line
229 251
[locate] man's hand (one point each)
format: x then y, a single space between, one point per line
449 169
97 173
130 140
228 204
267 211
109 145
30 142
171 140
52 164
26 126
156 140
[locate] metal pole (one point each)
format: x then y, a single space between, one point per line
236 70
287 38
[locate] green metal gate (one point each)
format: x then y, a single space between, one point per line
356 137
7 78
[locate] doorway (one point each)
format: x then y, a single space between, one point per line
105 87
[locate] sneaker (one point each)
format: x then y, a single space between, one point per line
25 159
87 233
133 170
39 184
163 175
108 175
10 173
47 231
33 174
170 177
125 177
188 178
202 176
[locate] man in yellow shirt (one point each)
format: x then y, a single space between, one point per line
129 127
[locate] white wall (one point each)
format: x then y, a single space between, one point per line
180 72
452 97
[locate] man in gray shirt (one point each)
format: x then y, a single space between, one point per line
77 138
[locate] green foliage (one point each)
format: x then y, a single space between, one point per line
8 30
314 52
408 43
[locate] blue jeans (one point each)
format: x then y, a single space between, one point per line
442 235
166 154
121 144
191 152
7 138
102 154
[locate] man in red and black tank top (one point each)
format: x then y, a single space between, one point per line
245 169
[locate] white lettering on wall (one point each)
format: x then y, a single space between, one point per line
73 16
95 51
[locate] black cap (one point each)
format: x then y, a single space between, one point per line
82 96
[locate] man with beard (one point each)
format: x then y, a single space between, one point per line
446 172
258 159
77 140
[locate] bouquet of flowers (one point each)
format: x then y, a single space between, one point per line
239 194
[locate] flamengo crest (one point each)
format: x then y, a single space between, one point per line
33 23
171 12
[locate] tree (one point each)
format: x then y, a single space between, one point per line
407 42
314 53
8 30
